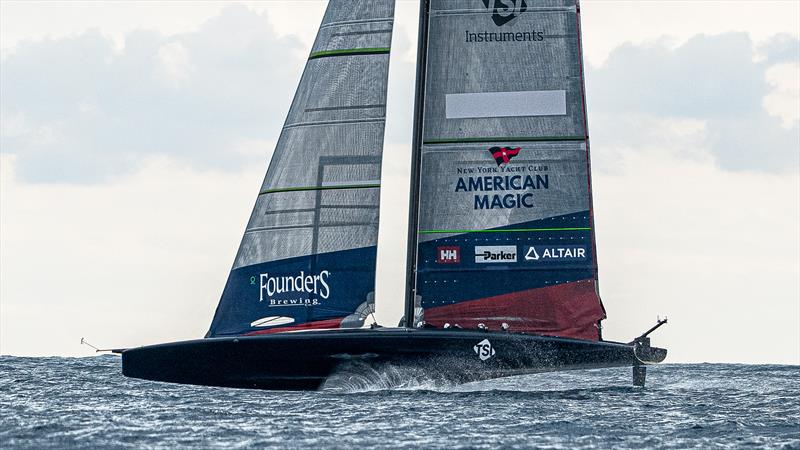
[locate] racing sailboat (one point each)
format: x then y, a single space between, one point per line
502 267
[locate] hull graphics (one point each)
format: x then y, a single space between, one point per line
537 277
327 290
305 360
567 310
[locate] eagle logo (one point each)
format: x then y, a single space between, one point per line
503 155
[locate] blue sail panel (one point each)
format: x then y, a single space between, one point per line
327 290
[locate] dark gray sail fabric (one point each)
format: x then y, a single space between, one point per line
307 258
505 229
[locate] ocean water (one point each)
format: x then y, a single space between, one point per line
87 403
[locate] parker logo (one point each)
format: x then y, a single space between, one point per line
496 254
504 11
503 155
555 253
448 255
484 350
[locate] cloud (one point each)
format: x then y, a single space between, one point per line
79 109
711 79
716 251
82 111
142 259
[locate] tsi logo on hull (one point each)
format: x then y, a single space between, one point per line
496 254
484 349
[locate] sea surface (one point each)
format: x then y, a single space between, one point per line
87 403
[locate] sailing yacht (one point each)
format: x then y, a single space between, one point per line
501 262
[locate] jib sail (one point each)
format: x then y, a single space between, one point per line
307 258
504 223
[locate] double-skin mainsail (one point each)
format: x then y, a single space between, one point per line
503 230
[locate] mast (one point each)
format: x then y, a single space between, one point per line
416 152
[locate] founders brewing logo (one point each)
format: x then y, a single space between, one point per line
503 155
294 290
504 11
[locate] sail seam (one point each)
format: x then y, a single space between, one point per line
319 188
508 139
349 52
508 230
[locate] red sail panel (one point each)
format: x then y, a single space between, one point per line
568 310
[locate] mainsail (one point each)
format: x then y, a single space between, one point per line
502 232
307 258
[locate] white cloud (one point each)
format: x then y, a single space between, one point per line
716 251
175 64
783 100
712 79
188 95
22 21
608 24
142 259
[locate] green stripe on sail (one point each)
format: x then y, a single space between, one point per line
319 188
507 230
504 139
350 51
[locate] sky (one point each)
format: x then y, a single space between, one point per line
134 137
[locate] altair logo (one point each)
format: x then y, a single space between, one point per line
555 253
503 155
504 11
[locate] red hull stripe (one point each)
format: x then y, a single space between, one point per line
570 310
320 324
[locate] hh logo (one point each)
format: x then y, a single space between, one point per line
448 255
503 155
484 350
504 11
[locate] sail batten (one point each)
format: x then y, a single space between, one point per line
308 252
481 139
350 51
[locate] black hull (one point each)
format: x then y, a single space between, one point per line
304 360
